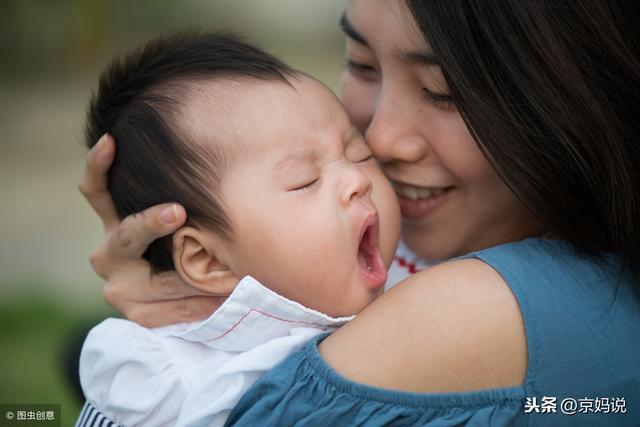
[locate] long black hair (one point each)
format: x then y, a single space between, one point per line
550 91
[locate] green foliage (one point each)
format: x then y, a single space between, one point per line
35 334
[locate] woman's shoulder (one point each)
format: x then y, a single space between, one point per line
305 390
453 327
468 341
533 313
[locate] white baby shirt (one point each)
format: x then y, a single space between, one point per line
193 374
404 264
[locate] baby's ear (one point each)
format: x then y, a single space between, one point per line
196 255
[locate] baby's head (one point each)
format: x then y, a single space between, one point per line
276 182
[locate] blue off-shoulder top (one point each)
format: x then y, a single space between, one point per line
582 320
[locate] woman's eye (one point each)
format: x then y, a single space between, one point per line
307 186
444 102
361 69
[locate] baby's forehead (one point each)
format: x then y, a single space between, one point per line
225 103
259 120
238 108
221 112
226 99
240 97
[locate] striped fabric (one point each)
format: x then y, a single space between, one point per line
92 417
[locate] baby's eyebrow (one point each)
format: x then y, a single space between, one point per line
301 157
291 160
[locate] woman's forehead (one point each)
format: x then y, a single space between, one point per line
383 25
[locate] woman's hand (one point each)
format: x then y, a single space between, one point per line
150 300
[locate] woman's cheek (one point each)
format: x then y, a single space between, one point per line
359 100
459 153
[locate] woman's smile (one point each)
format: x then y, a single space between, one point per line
418 202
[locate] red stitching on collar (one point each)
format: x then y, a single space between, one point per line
411 267
316 325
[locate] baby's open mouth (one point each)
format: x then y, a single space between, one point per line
369 257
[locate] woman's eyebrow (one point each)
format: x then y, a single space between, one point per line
351 32
425 58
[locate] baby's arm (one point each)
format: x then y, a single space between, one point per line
129 375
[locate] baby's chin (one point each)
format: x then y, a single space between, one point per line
357 308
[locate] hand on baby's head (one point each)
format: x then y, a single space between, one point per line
140 101
295 199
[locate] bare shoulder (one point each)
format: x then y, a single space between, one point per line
452 327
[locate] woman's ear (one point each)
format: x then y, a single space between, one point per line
196 255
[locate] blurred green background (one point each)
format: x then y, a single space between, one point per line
50 55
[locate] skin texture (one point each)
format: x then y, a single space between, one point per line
302 186
452 327
459 329
423 141
456 326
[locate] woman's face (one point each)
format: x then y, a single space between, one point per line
452 201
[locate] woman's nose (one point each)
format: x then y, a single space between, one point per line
395 132
356 184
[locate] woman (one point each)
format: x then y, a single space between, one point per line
496 122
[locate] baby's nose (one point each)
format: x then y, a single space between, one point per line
356 183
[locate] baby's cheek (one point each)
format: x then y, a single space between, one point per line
386 202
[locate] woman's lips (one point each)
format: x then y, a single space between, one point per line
418 202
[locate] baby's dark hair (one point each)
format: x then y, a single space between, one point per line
138 101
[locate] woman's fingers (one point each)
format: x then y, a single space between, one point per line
124 246
150 300
93 183
155 300
100 261
134 234
136 285
168 285
162 313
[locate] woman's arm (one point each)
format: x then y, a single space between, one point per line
150 300
453 327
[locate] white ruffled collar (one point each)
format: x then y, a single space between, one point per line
253 315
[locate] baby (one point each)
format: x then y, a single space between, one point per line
289 217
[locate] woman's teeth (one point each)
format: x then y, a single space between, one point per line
414 193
